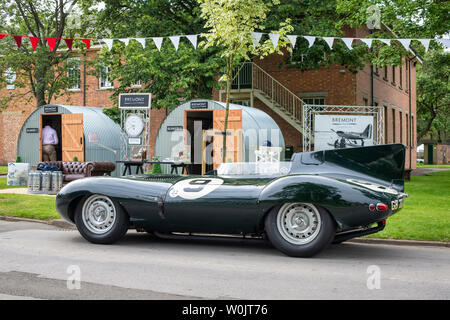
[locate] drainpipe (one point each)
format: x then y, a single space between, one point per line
84 79
410 117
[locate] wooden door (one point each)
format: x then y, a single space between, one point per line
234 138
72 136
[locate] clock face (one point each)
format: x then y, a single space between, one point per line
134 125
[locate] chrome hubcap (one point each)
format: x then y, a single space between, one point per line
99 214
298 223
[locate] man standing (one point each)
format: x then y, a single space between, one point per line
49 140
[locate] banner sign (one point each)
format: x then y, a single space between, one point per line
199 105
51 109
175 128
342 131
32 130
135 100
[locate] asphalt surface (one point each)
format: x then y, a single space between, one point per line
37 261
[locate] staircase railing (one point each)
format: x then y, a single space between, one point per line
276 92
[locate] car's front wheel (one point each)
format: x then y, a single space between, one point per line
300 229
100 219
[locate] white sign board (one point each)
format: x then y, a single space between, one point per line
342 131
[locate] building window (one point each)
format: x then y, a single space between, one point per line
137 84
400 77
74 73
376 71
393 75
314 100
400 115
365 101
393 125
406 77
385 75
105 81
10 78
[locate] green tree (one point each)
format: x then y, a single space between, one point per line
41 75
433 95
172 76
230 25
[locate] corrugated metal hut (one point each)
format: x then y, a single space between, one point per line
182 134
84 132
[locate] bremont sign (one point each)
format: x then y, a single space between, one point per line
135 100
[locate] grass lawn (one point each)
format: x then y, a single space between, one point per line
3 184
3 169
426 214
432 166
28 206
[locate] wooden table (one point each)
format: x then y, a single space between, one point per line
129 163
174 166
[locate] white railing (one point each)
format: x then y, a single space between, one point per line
277 93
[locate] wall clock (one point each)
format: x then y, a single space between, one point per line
134 125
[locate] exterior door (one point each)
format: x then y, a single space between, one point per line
234 145
72 136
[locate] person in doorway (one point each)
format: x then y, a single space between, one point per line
49 141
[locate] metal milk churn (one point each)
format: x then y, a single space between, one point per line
46 181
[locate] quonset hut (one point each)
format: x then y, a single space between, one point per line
192 131
84 132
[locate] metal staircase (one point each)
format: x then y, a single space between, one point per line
271 92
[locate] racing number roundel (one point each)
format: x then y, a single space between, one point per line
192 189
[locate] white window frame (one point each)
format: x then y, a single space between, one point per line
107 84
10 77
78 85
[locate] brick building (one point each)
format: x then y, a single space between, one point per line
265 85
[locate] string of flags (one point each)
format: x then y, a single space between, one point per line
256 38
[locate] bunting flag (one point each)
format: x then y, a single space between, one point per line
51 43
405 43
158 42
387 41
175 41
18 40
367 41
292 40
256 37
69 43
274 37
310 39
193 38
126 41
348 42
34 42
425 43
329 41
108 42
141 41
87 42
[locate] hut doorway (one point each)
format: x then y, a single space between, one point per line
69 128
196 121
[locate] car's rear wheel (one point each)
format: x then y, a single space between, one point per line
100 219
300 229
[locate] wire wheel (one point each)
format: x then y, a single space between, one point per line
98 214
298 223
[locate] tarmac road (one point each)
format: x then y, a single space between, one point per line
37 260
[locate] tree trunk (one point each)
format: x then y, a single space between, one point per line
227 107
428 127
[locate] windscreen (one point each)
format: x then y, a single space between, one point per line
254 168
